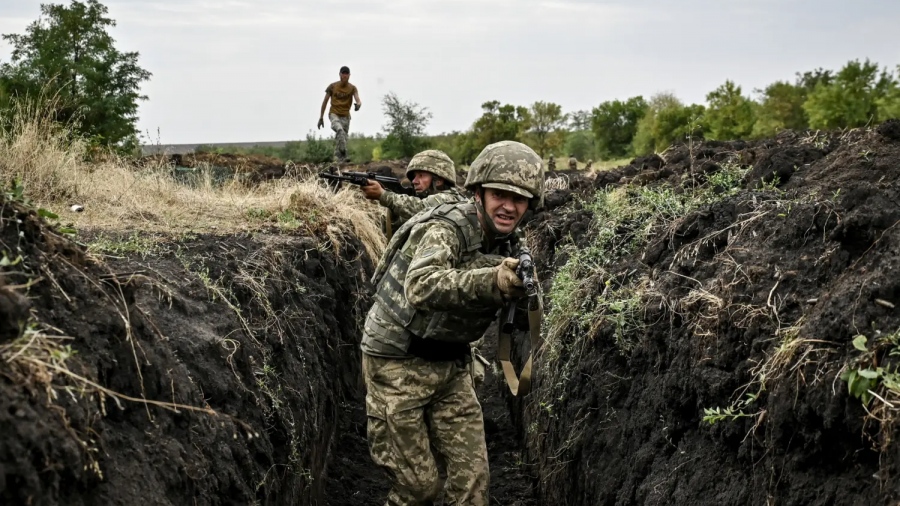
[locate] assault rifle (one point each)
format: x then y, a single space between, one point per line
362 179
521 384
525 272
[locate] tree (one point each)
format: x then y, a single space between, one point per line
850 99
580 120
889 104
780 108
68 55
614 124
580 143
405 128
547 123
497 123
666 121
729 115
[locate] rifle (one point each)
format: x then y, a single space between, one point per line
362 179
521 384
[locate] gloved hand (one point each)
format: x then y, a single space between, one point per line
356 106
507 281
321 122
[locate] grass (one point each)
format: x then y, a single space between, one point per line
54 169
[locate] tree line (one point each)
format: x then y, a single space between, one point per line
860 93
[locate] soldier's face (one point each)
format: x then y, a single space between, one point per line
421 181
504 208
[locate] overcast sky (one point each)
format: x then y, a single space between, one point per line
245 71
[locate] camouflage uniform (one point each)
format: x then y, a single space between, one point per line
436 292
404 207
573 163
341 127
551 163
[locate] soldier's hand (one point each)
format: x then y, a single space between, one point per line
373 190
356 106
321 122
507 281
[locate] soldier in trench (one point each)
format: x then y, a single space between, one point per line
440 284
433 175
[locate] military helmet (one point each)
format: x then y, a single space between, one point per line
434 162
511 166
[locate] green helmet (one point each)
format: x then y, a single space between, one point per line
434 162
511 166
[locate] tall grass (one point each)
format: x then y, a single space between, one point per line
57 170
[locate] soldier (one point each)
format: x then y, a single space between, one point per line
434 177
341 93
588 165
439 285
573 162
551 163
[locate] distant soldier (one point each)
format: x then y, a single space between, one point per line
573 162
588 165
432 174
551 163
341 93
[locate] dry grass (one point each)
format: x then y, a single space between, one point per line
55 174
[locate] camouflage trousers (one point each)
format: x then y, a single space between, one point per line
414 405
341 127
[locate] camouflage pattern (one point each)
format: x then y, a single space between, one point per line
404 207
589 164
341 127
573 163
511 166
551 163
435 282
413 405
434 162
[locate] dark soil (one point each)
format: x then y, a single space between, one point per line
626 426
282 381
290 424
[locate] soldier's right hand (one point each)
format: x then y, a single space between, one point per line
321 122
507 281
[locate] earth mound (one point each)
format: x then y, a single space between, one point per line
722 328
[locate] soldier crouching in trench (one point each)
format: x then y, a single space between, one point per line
433 175
440 284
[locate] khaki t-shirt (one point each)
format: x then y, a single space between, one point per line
341 97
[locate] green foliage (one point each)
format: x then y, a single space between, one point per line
851 99
405 129
889 104
729 115
623 221
615 124
546 132
69 57
580 144
864 377
781 108
730 413
316 150
497 123
666 121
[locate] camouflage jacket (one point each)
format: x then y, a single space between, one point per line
435 281
404 207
